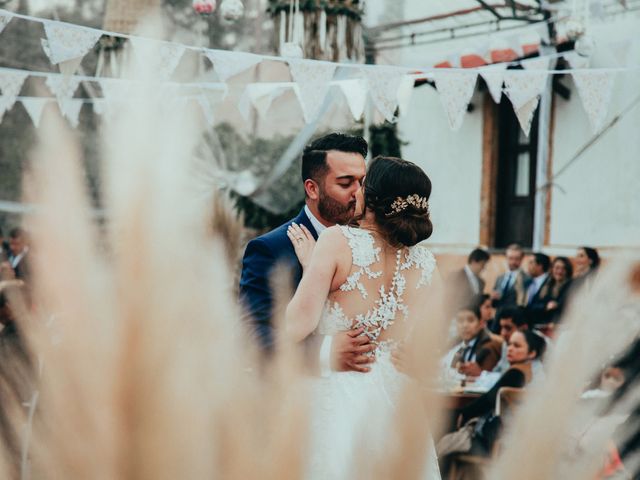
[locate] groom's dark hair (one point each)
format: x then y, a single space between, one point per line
314 156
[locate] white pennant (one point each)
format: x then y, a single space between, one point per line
5 18
227 64
34 107
312 78
383 84
577 61
66 42
595 90
63 88
261 96
70 108
164 56
10 85
455 90
494 78
524 89
207 109
355 93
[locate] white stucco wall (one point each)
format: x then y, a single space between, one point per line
600 205
453 161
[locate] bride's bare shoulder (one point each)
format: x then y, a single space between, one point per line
332 237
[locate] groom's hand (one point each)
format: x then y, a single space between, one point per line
348 351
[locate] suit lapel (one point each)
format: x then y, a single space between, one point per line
303 219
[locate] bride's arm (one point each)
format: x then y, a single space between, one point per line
305 308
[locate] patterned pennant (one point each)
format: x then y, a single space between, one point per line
65 42
525 114
356 95
383 84
5 18
227 64
34 107
595 90
10 85
455 90
70 108
494 78
165 56
313 80
63 88
525 87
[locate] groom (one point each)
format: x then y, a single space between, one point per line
332 171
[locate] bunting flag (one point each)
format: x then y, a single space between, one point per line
494 78
355 94
165 56
10 85
207 109
34 107
455 90
260 96
70 108
383 84
64 88
524 89
227 64
67 42
595 90
4 20
313 80
576 61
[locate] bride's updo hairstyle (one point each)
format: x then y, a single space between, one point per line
397 191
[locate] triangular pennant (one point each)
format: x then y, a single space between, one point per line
34 107
70 108
405 91
165 56
312 78
525 114
5 18
522 86
10 85
99 106
455 90
62 87
494 78
65 42
261 96
595 90
383 84
356 95
227 64
70 67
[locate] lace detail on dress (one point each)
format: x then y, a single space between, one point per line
365 254
423 259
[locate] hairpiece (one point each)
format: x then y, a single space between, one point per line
402 203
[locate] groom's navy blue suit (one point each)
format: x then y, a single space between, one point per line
261 255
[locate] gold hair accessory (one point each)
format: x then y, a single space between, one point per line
400 204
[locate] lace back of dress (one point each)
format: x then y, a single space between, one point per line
380 289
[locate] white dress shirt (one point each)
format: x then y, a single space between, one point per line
325 348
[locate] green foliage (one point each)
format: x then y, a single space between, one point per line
384 140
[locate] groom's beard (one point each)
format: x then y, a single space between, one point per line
335 212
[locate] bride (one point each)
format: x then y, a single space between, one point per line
370 275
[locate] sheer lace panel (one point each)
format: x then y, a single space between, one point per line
396 280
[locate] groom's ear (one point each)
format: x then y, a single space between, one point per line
311 189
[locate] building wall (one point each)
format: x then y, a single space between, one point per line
453 161
597 199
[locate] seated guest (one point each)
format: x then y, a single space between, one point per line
479 350
18 253
587 264
524 347
486 308
511 287
464 284
554 293
536 306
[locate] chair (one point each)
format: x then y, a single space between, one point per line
506 400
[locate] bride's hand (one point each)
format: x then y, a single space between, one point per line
303 242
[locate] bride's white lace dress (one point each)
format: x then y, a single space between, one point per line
353 412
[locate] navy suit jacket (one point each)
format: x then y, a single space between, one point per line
260 257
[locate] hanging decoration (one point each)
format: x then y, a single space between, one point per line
231 10
595 90
67 42
204 7
34 107
455 90
312 79
494 78
383 84
10 85
4 20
